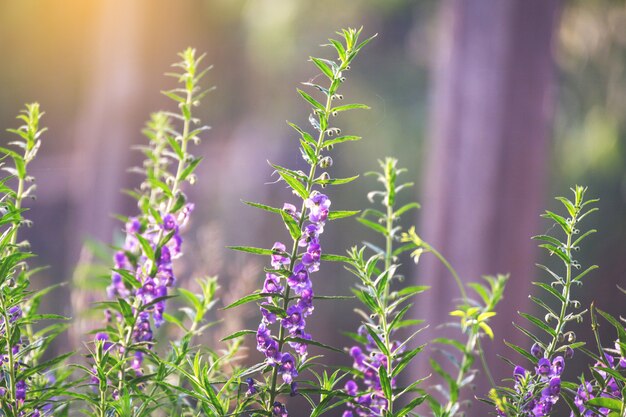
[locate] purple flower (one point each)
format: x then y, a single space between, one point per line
272 285
287 368
279 258
318 205
519 373
251 387
543 367
557 365
351 388
294 320
169 222
104 337
279 410
20 391
299 280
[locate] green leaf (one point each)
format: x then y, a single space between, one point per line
603 402
372 225
292 225
145 246
304 135
250 298
126 310
238 334
335 258
406 208
295 184
551 290
190 168
350 107
540 324
405 360
559 220
263 207
311 100
340 139
250 249
335 181
323 67
340 214
385 383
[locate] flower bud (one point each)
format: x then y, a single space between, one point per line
326 162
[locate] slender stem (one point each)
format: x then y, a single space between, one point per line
449 267
566 289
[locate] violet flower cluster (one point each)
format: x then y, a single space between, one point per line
547 375
368 362
156 275
298 280
586 391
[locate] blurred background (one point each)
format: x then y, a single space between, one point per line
493 106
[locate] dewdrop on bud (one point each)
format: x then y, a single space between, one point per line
571 337
326 162
342 79
337 97
560 338
330 147
347 68
334 114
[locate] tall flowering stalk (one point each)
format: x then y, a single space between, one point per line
537 389
143 274
379 355
286 300
29 386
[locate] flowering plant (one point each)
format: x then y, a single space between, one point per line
133 368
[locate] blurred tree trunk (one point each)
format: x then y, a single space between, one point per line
492 108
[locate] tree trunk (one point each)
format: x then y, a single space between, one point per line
492 107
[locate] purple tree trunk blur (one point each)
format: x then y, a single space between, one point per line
492 107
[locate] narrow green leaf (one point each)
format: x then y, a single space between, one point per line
249 249
312 101
263 207
323 67
340 139
350 107
340 214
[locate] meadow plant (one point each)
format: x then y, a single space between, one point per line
29 384
135 368
287 297
536 390
129 374
380 355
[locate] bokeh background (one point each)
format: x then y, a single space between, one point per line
492 106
